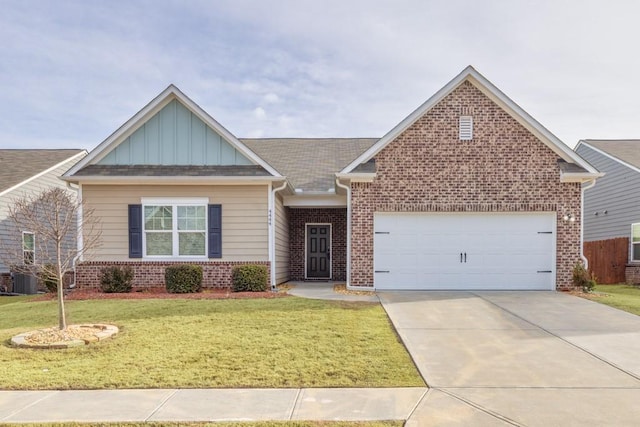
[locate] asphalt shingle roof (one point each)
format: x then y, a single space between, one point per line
627 150
310 164
17 166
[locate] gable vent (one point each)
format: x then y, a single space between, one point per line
466 128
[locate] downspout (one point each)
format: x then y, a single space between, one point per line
584 258
79 241
272 231
348 189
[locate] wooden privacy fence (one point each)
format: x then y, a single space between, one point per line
607 259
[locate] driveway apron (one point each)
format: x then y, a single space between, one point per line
519 358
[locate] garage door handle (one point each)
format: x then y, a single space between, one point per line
382 271
545 271
465 257
460 256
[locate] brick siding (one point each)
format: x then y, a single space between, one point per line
428 169
632 274
297 220
148 274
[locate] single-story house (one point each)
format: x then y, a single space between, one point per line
26 173
467 192
612 210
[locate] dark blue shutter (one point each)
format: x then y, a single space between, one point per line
215 231
135 231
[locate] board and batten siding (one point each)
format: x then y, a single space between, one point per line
32 188
175 136
281 241
244 217
618 193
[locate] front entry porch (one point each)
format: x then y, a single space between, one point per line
318 244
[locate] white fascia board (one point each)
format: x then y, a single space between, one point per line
493 93
172 180
44 172
579 177
357 177
607 155
315 201
160 101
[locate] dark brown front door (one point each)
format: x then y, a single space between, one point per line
319 251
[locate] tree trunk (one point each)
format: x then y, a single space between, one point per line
62 320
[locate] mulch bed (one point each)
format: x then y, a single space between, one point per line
159 293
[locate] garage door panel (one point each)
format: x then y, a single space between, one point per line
465 251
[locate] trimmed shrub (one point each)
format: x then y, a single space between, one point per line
183 278
582 279
47 279
116 279
249 278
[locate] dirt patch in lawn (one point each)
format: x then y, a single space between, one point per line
160 293
342 289
594 296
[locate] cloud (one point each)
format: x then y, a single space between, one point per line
259 113
73 72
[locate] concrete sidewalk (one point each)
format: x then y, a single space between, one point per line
318 404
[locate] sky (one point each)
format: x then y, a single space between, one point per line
72 72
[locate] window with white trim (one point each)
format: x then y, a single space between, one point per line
466 128
28 247
635 242
175 230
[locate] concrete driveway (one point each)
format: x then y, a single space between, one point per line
520 358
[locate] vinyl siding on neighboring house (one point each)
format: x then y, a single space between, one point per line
32 188
244 217
281 241
618 192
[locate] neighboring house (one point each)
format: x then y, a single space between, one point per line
27 173
468 192
612 210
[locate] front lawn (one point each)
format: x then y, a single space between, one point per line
624 297
282 342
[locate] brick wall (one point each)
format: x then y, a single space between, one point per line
148 274
297 220
428 169
632 274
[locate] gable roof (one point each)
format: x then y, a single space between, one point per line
309 164
169 94
625 151
20 166
485 86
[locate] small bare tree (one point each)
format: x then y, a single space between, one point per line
51 218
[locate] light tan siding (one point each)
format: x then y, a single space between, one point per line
244 217
281 241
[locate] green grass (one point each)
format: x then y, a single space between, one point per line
282 342
624 297
229 424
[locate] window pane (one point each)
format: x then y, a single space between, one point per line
159 243
28 257
158 217
636 251
191 218
28 241
191 243
635 233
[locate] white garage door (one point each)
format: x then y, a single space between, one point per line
464 251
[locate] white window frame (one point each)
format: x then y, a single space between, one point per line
632 243
175 202
33 251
